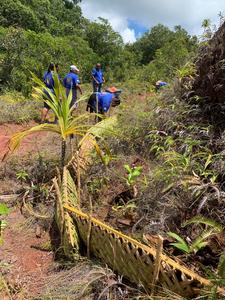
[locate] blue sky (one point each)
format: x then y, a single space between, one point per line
131 17
137 27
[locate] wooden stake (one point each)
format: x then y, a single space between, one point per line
157 263
78 179
89 229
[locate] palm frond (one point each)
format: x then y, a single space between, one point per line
59 212
100 128
17 138
72 191
70 240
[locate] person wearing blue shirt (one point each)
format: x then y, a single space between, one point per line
49 83
160 84
101 102
97 78
72 82
105 100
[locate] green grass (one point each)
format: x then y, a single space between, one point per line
17 109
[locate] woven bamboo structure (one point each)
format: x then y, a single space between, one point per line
136 261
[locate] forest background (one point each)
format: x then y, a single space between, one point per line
34 33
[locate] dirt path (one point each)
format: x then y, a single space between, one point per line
32 143
24 267
40 144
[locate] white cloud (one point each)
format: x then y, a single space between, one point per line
189 13
128 35
118 22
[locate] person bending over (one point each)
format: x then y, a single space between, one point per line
160 84
101 102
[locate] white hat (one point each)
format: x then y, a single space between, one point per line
74 68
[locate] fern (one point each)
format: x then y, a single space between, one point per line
181 244
201 220
132 174
201 241
4 210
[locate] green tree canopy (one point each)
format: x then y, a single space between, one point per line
22 51
35 32
156 38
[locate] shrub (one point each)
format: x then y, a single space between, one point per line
17 109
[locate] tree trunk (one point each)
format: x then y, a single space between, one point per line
63 153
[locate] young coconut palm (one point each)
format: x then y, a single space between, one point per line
66 126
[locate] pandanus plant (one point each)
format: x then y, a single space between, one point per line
66 126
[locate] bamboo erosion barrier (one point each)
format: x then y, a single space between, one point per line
143 265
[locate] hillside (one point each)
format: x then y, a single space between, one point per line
151 176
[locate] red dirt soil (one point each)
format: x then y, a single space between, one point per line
24 267
30 143
45 144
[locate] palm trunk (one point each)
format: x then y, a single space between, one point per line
63 153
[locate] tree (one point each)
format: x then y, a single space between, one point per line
152 41
22 51
14 13
67 13
208 31
123 66
70 3
146 47
40 31
104 41
170 57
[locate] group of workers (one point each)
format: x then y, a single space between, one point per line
98 102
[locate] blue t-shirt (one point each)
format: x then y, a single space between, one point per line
71 80
104 100
98 75
162 83
48 80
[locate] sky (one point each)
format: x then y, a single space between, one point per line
131 18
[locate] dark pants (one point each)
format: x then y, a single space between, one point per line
97 87
74 97
157 88
92 104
